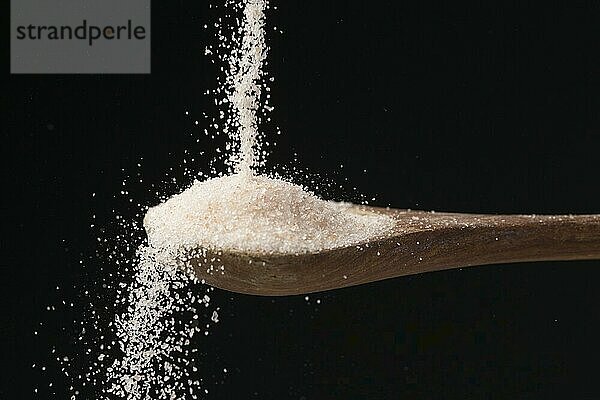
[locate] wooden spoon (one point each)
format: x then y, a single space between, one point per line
420 242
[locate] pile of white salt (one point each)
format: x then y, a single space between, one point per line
258 214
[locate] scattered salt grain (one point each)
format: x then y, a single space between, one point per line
215 317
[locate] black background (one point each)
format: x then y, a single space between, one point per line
458 107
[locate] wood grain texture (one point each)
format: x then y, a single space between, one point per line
420 242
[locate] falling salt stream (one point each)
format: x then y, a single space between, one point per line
243 211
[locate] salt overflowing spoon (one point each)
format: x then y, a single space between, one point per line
419 242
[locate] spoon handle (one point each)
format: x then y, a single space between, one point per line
460 240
